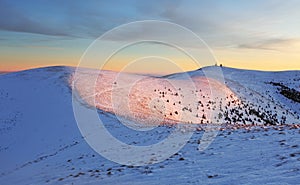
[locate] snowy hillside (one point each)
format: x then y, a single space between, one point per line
40 142
194 98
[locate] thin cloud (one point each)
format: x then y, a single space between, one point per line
45 47
13 20
275 44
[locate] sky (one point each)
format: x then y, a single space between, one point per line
262 35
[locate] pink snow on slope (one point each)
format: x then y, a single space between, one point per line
152 100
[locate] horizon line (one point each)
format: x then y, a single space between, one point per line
157 74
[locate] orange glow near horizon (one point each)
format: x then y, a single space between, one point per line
244 59
229 61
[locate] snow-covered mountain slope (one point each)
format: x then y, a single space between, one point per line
151 100
40 142
261 96
260 88
245 97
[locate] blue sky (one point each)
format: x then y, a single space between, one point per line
241 33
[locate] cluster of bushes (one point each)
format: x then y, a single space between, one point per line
234 111
289 93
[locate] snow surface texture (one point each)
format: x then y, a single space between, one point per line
151 100
189 98
40 142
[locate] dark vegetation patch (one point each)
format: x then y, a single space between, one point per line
289 93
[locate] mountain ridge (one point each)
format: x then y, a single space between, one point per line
40 142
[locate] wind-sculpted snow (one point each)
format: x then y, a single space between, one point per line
151 100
